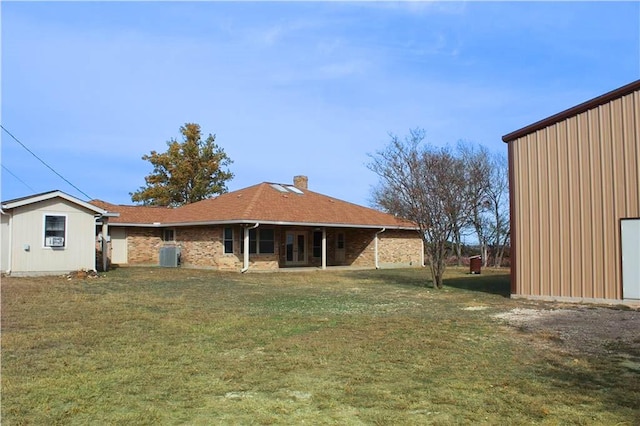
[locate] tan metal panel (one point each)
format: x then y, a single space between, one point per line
564 243
574 210
572 182
631 155
608 182
554 218
585 287
619 201
533 213
597 206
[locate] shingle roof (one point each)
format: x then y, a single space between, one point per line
43 196
261 203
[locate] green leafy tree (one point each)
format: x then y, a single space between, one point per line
189 171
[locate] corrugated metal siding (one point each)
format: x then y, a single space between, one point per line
572 183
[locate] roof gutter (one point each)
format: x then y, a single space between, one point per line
262 222
245 262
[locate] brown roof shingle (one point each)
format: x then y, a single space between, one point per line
261 203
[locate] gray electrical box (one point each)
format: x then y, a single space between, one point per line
170 256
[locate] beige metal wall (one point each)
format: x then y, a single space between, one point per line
28 230
572 182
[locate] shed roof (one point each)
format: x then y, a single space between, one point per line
266 203
36 198
578 109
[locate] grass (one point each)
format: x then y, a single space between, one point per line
172 346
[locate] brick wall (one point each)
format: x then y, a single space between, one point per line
203 247
399 248
143 246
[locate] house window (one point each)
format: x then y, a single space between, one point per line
261 241
55 228
266 241
317 244
228 240
340 241
168 235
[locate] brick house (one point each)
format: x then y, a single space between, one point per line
264 227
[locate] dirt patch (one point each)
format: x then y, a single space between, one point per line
599 331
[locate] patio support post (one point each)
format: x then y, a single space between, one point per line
324 248
375 245
105 243
245 263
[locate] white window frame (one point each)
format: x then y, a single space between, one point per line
44 230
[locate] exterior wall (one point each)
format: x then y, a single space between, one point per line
28 253
571 183
200 247
143 246
5 236
400 248
203 247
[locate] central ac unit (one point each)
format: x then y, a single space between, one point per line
170 256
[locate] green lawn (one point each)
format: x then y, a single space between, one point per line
176 346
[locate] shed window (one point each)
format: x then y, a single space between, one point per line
55 231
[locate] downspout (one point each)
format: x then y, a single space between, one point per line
324 248
245 266
375 245
10 245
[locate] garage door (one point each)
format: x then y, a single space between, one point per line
630 233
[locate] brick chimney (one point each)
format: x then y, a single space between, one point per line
301 182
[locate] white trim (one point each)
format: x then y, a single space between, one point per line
44 230
375 247
245 258
49 195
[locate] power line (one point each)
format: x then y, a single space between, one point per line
43 162
21 181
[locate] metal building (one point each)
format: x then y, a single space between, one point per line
575 202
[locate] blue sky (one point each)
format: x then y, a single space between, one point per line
288 88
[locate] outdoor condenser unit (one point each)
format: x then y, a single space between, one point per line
170 256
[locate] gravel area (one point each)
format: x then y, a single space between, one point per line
594 330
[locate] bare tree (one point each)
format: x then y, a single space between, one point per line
498 207
478 166
425 185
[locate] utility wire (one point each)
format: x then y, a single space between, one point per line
21 181
43 162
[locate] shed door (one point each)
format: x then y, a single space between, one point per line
630 233
119 254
